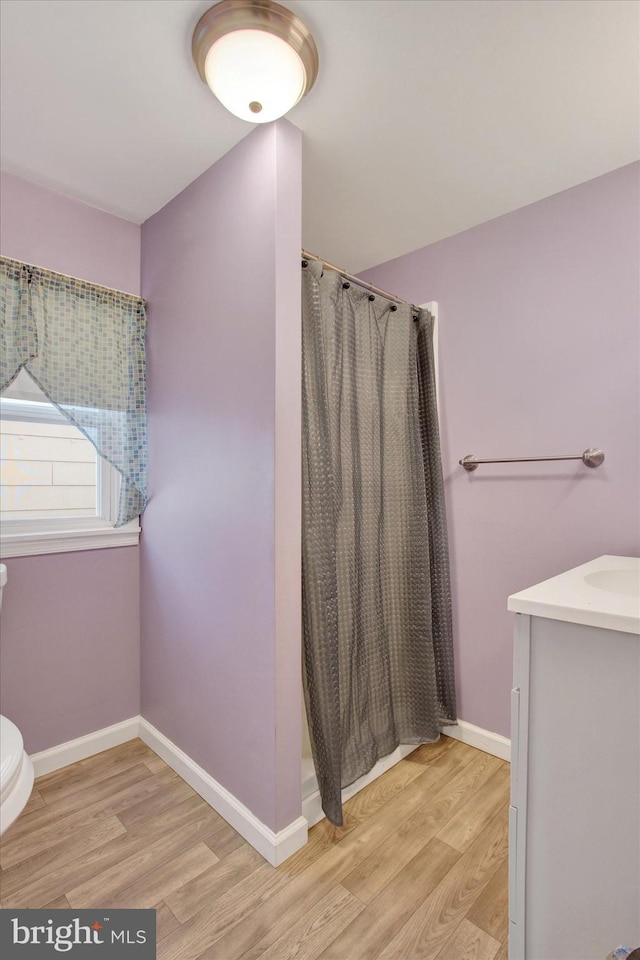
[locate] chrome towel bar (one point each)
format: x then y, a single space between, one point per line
591 458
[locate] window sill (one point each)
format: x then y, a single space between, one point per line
66 541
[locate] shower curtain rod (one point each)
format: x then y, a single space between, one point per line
361 283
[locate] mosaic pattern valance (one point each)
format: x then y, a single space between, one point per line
84 346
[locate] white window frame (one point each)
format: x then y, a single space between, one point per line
26 538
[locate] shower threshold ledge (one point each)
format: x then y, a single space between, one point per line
311 802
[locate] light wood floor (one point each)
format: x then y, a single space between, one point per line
418 871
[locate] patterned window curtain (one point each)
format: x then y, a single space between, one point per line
84 346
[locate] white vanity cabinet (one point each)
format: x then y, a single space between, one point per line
574 843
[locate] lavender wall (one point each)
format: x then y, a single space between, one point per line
220 554
539 347
70 643
50 230
70 622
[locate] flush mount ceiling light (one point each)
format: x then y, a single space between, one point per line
256 56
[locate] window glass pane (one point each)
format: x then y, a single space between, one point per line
46 470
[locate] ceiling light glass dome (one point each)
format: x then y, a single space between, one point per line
256 56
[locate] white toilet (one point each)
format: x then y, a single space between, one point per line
16 769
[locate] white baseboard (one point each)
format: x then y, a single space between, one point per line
274 847
46 761
493 743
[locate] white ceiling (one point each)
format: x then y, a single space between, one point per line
428 116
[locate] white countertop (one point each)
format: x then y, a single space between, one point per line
602 593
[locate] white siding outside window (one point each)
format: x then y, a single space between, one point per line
56 493
46 470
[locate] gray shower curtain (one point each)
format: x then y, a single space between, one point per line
377 648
